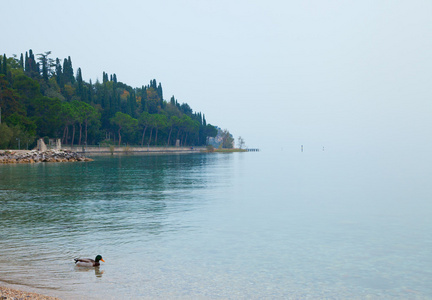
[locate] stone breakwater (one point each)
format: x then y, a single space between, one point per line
33 156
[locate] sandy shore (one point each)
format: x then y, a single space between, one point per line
12 294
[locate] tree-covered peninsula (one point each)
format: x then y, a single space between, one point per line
42 97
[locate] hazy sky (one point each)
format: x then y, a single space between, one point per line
277 72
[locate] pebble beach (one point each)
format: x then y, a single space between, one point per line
13 294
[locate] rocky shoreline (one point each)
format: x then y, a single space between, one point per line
34 156
13 294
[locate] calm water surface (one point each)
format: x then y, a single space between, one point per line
231 226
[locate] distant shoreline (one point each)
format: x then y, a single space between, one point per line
79 154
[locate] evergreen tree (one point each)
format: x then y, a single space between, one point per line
65 70
71 75
68 73
59 74
159 90
104 77
4 67
46 63
132 104
153 84
144 99
90 92
31 67
21 61
79 76
79 81
26 62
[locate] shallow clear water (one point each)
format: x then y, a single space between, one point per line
239 226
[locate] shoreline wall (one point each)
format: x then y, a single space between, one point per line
89 150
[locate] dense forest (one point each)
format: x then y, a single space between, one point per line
42 97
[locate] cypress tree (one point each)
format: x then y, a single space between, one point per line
132 104
144 98
153 84
90 92
21 61
104 77
79 76
44 61
26 63
59 73
68 73
65 69
4 68
33 68
80 84
159 91
71 70
200 118
0 64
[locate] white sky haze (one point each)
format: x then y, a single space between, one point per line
279 73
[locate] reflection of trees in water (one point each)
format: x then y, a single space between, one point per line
112 193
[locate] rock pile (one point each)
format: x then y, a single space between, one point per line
33 156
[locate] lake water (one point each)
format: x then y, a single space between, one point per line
279 225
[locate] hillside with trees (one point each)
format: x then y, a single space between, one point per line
42 97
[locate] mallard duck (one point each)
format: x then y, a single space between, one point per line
88 262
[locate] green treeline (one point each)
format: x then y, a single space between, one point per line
41 97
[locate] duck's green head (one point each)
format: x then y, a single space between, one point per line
98 258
